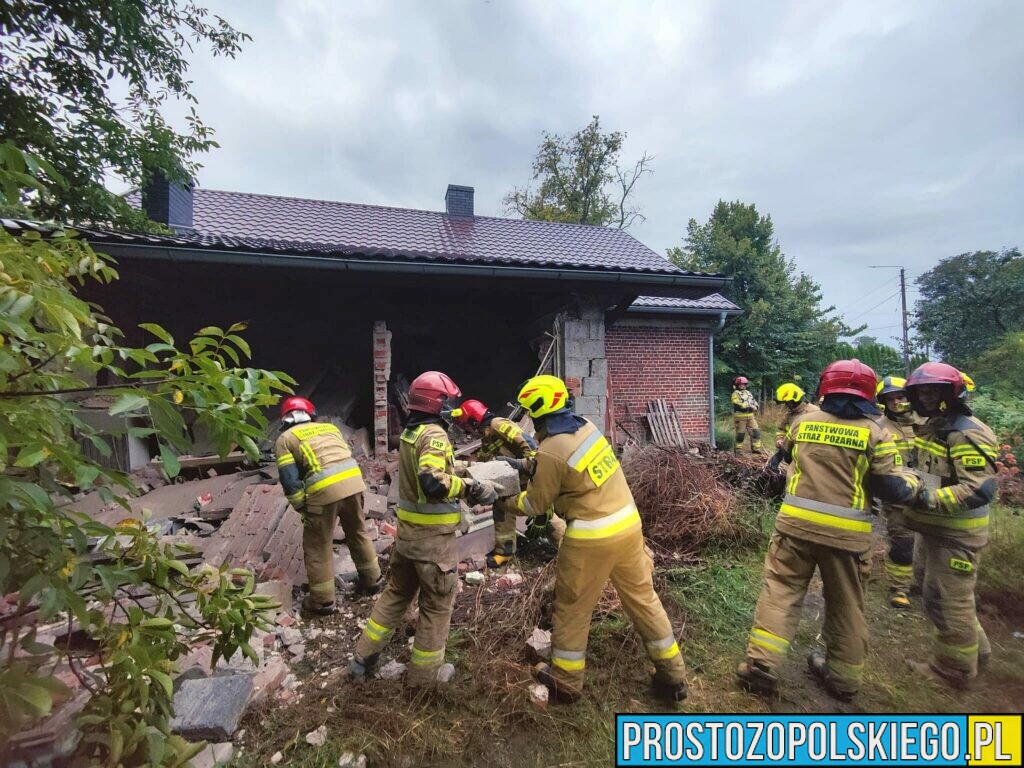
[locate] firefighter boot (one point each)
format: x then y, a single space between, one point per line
365 588
359 669
898 599
755 677
312 606
559 692
669 690
818 667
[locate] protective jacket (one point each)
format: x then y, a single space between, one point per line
791 416
902 428
428 496
827 484
956 460
579 474
503 437
743 403
316 465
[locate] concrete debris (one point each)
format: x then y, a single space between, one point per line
281 591
269 679
474 578
290 636
538 645
391 671
509 580
276 758
298 650
318 737
383 544
214 755
351 760
539 695
375 506
445 673
387 529
285 620
504 477
211 708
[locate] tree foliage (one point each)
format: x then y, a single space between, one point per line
970 302
128 593
785 332
581 180
60 63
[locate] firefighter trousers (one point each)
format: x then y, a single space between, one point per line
950 576
747 425
436 599
899 558
318 545
583 567
788 569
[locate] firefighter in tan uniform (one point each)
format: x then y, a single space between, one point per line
578 473
744 410
425 557
795 400
899 419
956 460
504 439
323 483
824 523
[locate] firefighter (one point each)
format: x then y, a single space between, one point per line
795 400
425 557
578 473
323 483
956 460
899 419
744 408
824 523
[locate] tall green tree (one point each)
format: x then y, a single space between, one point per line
970 302
580 179
61 64
785 332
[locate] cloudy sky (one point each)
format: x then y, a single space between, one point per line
872 132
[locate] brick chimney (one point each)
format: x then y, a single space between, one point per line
458 200
168 202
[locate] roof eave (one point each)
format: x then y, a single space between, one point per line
708 312
354 263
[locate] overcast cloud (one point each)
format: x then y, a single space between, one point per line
872 132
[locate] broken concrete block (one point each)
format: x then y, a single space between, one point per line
391 671
351 760
269 678
538 645
509 580
539 695
290 636
504 477
278 590
212 707
318 737
375 506
474 578
383 544
297 649
445 673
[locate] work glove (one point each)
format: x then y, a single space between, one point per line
481 492
775 461
925 499
518 464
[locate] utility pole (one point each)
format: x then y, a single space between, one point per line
904 315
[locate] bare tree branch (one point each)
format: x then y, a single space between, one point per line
627 181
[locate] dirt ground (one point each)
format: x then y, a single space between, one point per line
485 716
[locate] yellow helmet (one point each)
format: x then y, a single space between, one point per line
968 382
890 384
542 395
788 393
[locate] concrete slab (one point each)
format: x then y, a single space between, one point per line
504 477
211 708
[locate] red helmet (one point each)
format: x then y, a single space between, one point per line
848 377
297 404
740 380
430 391
937 373
473 412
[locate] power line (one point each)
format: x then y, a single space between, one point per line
872 309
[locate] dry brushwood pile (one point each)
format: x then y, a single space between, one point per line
683 499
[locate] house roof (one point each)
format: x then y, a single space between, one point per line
713 303
267 223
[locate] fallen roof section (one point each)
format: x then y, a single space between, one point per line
714 304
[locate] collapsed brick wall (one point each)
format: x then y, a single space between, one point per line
650 362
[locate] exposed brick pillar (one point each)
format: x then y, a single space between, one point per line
586 368
381 375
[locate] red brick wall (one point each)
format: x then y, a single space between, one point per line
645 363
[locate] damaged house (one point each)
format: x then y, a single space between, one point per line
355 300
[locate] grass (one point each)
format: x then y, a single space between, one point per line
485 717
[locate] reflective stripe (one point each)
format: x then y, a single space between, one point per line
834 510
571 661
578 459
962 653
898 571
961 450
427 513
523 504
795 479
964 519
665 648
296 499
334 473
376 632
312 462
411 435
455 490
886 449
285 459
928 446
429 460
305 431
606 526
946 498
767 640
859 471
421 658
